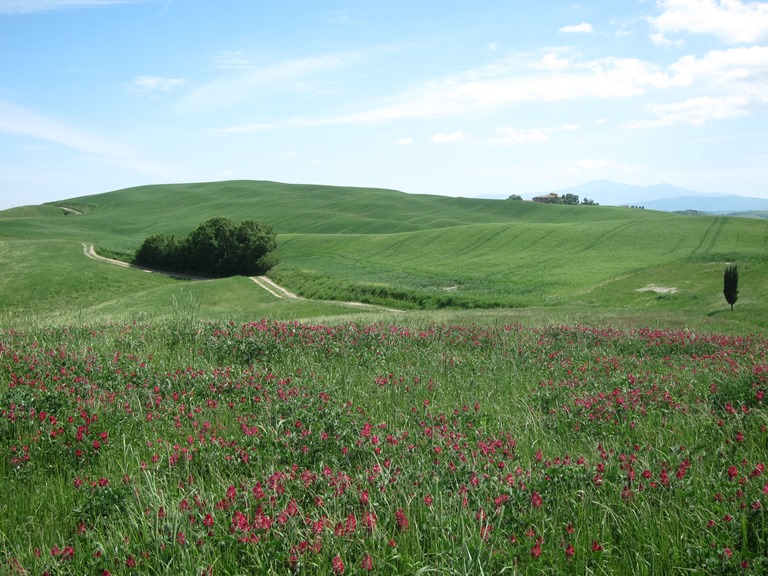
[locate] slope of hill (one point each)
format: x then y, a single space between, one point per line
387 247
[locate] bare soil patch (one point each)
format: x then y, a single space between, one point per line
658 289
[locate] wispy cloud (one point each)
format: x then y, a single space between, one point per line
347 17
15 119
144 85
30 6
451 137
508 136
552 77
501 84
697 111
233 60
732 21
583 28
22 121
298 75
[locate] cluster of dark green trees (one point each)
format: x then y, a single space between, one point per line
218 248
570 199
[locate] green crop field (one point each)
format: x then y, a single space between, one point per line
409 252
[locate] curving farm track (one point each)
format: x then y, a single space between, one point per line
262 281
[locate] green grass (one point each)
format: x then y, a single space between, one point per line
179 447
529 412
381 246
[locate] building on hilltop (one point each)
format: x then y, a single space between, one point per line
550 198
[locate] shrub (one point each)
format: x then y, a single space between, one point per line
218 247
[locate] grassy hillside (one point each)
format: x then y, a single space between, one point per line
384 246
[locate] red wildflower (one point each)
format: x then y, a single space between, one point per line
338 565
367 562
536 550
369 520
402 520
596 547
536 499
351 524
428 499
569 551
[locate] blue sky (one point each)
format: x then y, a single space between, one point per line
484 98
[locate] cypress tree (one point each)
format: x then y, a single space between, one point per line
731 284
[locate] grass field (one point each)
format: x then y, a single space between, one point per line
403 251
562 390
287 448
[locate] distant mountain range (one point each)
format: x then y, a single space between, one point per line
663 197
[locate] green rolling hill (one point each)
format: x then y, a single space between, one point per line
386 247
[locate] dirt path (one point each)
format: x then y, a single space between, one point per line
89 251
262 281
279 292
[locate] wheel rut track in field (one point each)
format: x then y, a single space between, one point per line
262 281
708 239
609 234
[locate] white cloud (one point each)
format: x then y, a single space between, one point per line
23 121
569 127
732 21
19 120
732 83
513 136
548 78
723 66
30 6
503 83
285 76
554 62
584 27
452 137
143 85
697 111
407 141
660 40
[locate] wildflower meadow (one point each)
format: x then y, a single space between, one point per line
289 448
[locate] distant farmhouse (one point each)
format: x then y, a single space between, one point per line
570 199
550 198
